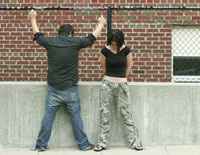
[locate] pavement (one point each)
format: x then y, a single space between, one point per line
153 150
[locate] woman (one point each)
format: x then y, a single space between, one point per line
116 62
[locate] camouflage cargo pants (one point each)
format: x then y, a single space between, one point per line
120 92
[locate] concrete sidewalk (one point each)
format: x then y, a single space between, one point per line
155 150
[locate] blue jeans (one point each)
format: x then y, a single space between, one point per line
70 98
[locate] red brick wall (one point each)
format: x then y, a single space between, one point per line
148 32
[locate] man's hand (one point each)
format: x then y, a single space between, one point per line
100 26
33 15
102 20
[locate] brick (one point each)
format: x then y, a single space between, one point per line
21 59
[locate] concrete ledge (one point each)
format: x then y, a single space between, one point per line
156 150
165 113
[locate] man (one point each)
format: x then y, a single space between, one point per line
62 53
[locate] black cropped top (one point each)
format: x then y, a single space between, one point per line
116 63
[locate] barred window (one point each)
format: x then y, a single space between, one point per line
186 54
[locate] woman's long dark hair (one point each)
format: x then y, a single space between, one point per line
118 37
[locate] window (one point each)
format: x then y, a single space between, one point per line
186 54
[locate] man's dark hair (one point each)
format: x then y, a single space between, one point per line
118 37
66 30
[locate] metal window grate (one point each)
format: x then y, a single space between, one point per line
186 54
186 42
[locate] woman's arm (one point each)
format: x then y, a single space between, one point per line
129 64
103 63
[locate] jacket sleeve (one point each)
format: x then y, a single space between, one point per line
86 41
41 39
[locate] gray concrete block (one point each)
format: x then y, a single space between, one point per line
164 113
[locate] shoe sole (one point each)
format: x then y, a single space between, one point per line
99 150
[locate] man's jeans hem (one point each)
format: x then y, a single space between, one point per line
84 146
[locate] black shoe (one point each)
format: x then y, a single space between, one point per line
99 148
41 149
138 147
89 147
